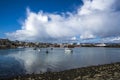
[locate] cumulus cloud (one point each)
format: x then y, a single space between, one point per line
95 18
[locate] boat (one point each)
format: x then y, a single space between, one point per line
47 51
68 50
39 50
36 49
51 48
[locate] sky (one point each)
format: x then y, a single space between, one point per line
60 20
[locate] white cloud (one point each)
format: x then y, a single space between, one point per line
116 39
95 18
73 38
87 35
111 39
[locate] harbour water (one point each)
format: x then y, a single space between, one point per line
26 61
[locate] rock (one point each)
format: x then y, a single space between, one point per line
59 79
29 78
116 74
85 77
77 78
15 79
97 75
39 77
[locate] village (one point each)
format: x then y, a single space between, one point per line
8 44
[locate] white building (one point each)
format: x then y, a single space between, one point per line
101 45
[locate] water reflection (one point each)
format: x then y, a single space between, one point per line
33 61
10 67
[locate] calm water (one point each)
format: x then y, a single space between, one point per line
26 61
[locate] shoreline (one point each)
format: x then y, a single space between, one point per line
8 44
99 72
59 47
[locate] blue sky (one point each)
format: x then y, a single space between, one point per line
12 12
60 20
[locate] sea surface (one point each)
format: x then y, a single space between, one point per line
27 60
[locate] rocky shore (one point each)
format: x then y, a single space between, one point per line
100 72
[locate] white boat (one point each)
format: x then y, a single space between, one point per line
36 49
68 50
39 50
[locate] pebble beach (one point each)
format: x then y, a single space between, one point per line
99 72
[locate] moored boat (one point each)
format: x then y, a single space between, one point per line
68 50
